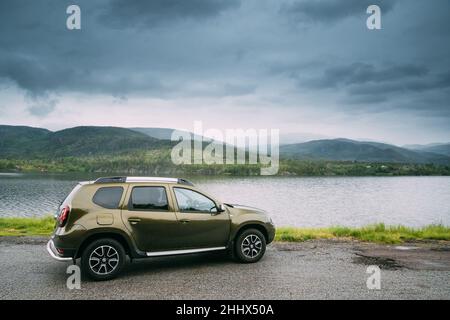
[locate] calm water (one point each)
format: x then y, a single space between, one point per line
412 201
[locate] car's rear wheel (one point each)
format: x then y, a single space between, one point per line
250 246
103 259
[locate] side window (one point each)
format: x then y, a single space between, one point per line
149 199
108 197
192 201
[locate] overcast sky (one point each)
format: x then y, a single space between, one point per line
300 66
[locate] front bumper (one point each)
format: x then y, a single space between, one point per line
271 230
51 249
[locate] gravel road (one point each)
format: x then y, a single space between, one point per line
310 270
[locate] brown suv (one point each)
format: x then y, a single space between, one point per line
104 220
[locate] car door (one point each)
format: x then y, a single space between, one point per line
201 225
151 218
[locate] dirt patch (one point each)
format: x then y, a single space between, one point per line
420 256
383 263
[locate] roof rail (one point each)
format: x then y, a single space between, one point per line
111 180
151 179
186 182
143 179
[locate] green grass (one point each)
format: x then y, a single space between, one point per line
373 233
26 226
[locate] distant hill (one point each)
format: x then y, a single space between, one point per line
26 142
285 138
440 148
15 141
351 150
158 133
164 133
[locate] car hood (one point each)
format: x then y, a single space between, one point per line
239 207
244 214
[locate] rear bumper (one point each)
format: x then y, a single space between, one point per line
51 249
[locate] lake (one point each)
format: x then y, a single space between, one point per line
294 201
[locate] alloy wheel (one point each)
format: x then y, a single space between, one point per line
251 246
103 260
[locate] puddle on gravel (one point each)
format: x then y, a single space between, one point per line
288 249
383 263
441 249
403 248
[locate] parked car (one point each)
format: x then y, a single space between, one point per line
105 220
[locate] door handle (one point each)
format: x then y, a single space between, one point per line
184 221
134 220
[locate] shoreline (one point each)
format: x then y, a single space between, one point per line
18 173
151 165
376 233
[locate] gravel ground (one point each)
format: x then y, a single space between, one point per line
310 270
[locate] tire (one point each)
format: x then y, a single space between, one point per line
110 255
250 246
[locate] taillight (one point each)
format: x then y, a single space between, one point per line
63 215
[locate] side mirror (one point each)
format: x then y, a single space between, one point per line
219 209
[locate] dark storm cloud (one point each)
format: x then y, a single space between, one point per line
24 71
367 84
41 56
433 82
144 13
34 45
170 49
41 107
331 10
361 73
39 77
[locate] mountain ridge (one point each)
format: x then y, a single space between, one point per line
440 148
24 142
342 149
72 142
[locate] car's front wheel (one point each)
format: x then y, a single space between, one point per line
250 246
103 259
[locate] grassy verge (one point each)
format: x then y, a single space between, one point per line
26 226
373 233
